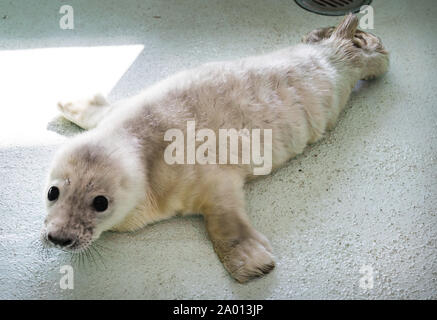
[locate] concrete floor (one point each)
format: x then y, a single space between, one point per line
364 196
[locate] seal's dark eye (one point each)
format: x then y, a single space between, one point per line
53 193
100 203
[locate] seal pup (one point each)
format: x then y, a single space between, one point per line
115 177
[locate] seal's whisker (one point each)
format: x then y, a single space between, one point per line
104 248
75 259
99 255
85 256
88 256
81 259
91 256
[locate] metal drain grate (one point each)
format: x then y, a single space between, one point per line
332 7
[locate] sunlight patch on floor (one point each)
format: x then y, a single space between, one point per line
34 80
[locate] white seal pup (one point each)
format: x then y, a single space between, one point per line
116 177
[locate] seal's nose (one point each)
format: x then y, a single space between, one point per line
62 241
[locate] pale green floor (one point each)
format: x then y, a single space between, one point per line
365 195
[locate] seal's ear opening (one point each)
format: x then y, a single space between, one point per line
347 27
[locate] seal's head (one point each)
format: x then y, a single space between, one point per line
92 186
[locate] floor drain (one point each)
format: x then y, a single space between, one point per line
332 7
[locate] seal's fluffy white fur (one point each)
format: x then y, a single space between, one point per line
298 92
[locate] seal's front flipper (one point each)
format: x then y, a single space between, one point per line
244 252
86 113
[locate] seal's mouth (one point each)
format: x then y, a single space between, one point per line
73 244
